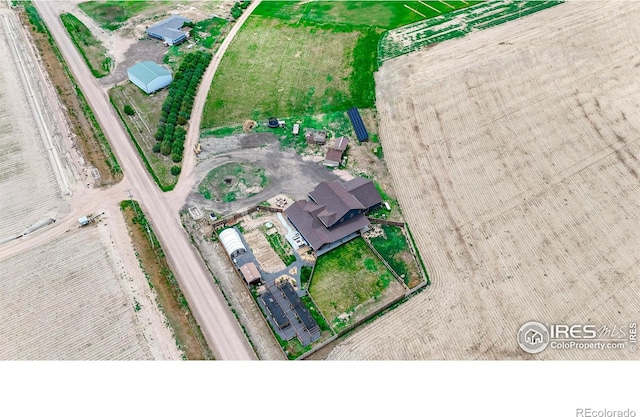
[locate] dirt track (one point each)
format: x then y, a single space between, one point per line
514 152
218 324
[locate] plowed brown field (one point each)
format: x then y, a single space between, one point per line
514 152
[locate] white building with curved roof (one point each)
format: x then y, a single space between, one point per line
232 243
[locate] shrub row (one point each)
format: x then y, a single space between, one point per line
238 7
176 109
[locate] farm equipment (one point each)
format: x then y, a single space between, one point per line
85 220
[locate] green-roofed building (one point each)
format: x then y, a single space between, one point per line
149 76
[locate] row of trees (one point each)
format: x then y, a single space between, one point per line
177 107
238 8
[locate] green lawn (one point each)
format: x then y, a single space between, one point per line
208 31
347 277
112 14
274 69
91 49
381 14
142 126
394 248
294 59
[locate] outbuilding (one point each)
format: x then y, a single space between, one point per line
250 273
169 31
149 76
232 242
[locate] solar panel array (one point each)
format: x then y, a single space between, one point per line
358 125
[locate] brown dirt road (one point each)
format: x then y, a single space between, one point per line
217 322
187 180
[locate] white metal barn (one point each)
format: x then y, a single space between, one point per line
149 76
232 243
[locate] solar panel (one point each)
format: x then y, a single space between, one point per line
300 309
358 125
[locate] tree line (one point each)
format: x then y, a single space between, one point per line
176 109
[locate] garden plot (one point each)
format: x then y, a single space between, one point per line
29 191
74 302
521 143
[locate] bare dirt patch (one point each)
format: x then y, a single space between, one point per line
514 155
76 303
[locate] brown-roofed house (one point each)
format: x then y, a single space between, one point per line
334 215
250 273
334 154
365 191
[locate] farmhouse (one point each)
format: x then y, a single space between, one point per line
149 76
232 242
335 213
169 31
334 154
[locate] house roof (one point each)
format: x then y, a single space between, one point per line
304 216
301 310
341 143
364 191
169 28
147 71
334 155
250 272
274 309
335 199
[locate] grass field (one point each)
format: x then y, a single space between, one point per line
112 14
142 127
91 49
207 32
273 68
295 58
345 278
233 181
394 248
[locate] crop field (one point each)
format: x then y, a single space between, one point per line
29 191
73 304
91 49
413 37
522 144
349 282
112 14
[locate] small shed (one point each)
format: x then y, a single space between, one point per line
296 129
250 273
333 158
232 242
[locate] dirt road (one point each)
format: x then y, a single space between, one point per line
186 182
217 322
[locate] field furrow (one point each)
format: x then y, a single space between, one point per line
522 146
